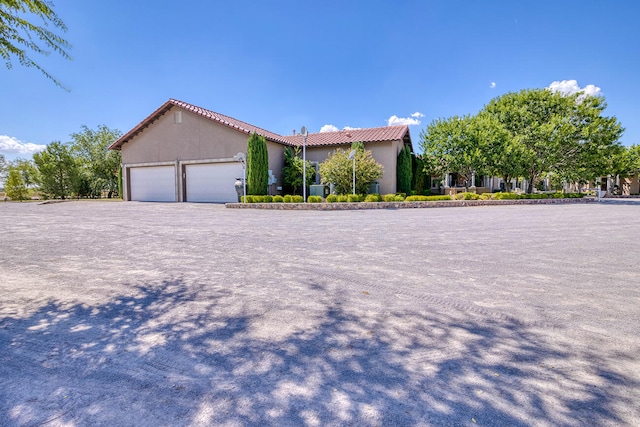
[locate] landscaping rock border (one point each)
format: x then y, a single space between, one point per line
403 205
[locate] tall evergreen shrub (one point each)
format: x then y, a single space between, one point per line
404 170
257 165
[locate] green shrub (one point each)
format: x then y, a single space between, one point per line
314 199
485 196
267 199
467 196
343 198
286 198
247 199
257 198
332 198
506 196
557 195
373 198
427 198
354 198
399 198
389 197
297 199
277 199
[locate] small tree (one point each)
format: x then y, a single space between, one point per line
15 187
338 170
57 169
257 165
404 170
4 169
292 170
98 165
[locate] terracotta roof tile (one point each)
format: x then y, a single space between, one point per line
385 133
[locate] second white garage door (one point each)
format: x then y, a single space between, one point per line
212 182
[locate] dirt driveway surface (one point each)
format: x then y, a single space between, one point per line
193 314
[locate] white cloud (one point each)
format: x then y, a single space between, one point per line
570 87
397 121
328 128
417 115
332 128
9 144
492 85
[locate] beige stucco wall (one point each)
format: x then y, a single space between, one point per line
196 138
385 153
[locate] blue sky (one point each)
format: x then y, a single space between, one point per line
283 64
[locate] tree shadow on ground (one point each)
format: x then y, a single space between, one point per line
167 355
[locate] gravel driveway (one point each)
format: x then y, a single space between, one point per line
192 314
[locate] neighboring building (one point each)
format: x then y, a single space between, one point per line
184 153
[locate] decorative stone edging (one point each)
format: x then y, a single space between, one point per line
403 205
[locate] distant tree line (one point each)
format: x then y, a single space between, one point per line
81 168
530 134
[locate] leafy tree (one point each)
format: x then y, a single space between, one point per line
563 134
632 155
18 35
338 169
27 170
404 170
4 169
457 144
504 154
257 165
57 169
15 187
292 170
97 164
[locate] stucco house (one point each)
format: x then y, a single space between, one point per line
185 153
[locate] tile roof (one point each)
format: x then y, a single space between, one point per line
385 133
211 115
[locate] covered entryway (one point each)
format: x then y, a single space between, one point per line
212 182
153 183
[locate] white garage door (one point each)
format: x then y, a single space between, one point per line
212 182
153 184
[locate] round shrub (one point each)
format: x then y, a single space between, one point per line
332 198
287 198
267 199
314 199
343 198
467 196
277 199
354 198
398 198
297 199
389 197
373 198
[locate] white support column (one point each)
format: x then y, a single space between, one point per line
473 179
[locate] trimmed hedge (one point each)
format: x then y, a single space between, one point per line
427 198
374 198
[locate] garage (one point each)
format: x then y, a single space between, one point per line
153 184
212 182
